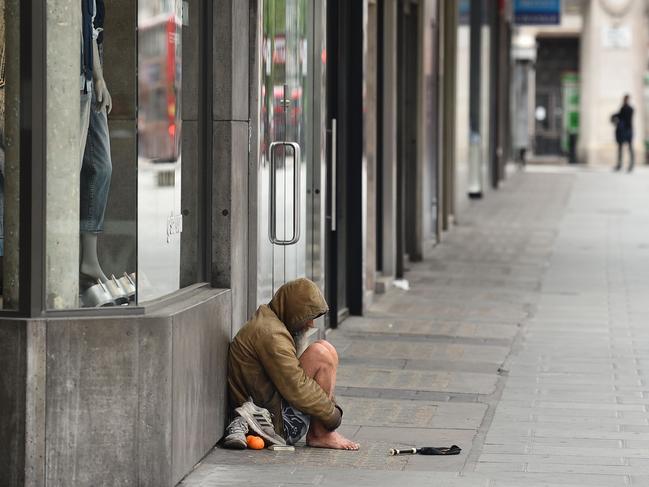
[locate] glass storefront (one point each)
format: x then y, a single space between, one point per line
114 152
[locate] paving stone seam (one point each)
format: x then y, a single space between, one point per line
473 320
414 338
409 394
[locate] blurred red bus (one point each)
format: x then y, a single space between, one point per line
159 87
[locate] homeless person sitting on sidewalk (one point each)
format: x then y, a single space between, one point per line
264 370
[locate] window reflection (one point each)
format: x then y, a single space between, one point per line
159 146
113 214
90 196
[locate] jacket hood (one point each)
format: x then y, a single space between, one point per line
297 302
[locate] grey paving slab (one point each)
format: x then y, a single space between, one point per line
556 477
412 414
413 437
557 433
421 328
269 476
584 422
456 366
388 413
510 448
353 376
427 351
554 459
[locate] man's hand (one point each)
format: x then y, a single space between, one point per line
102 95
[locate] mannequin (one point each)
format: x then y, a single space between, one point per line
96 166
89 260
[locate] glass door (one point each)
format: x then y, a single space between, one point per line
287 212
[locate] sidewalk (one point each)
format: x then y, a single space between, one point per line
523 340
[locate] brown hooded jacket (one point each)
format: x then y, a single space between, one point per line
263 363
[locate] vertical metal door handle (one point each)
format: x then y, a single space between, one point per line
297 203
272 227
334 168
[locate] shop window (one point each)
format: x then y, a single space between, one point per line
9 151
114 152
159 146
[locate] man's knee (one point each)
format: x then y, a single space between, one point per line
321 352
331 348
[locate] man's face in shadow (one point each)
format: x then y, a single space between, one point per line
303 329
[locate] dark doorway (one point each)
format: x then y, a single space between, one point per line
344 288
556 56
407 182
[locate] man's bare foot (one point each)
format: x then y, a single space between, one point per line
331 440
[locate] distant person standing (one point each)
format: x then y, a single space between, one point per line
623 121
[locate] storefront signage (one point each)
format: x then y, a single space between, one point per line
616 36
537 12
465 10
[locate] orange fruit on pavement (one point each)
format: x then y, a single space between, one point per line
255 442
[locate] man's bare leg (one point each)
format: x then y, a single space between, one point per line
320 362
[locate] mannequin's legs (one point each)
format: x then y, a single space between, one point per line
96 172
89 260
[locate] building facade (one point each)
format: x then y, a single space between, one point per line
573 76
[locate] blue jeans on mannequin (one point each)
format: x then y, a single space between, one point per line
96 171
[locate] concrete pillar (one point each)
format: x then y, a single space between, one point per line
428 123
417 172
371 148
63 161
448 97
613 62
231 143
475 102
389 147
